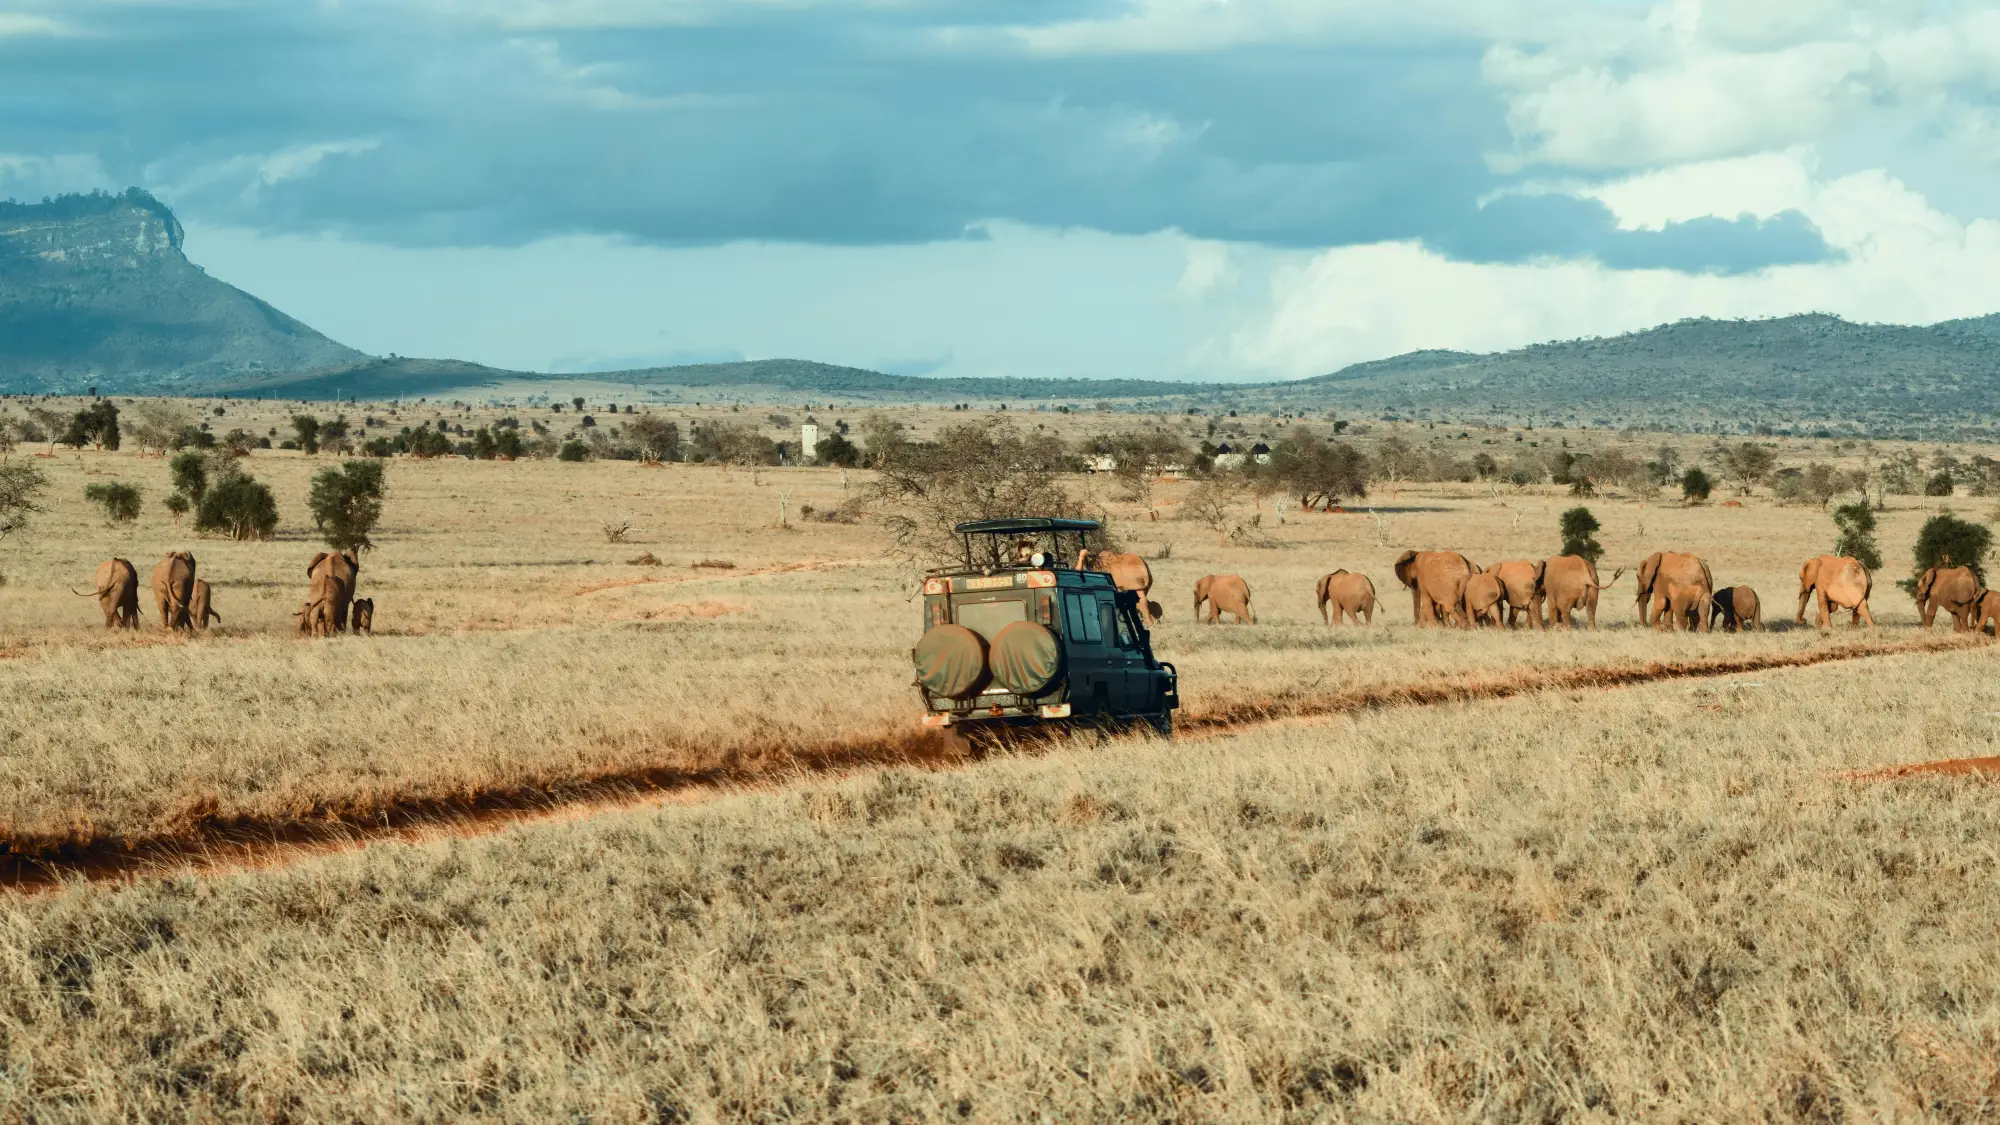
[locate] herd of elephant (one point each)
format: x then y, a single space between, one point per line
1675 591
187 604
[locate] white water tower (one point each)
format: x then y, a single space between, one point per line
808 441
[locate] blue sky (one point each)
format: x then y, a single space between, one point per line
1215 189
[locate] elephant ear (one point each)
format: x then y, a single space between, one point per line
1403 562
1541 571
314 564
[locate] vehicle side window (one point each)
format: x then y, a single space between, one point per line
1080 619
1113 624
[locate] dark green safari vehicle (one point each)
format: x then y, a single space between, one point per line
1018 636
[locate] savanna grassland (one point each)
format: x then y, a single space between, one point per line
1659 901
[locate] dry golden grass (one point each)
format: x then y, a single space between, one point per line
1659 903
517 648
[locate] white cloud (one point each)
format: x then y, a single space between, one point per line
1905 262
248 174
1694 81
298 163
32 177
18 24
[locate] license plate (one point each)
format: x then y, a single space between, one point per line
997 582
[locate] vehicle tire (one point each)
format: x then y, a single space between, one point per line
1025 658
951 661
1162 724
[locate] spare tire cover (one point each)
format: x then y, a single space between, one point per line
951 660
1025 657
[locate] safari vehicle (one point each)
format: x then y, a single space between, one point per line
1017 636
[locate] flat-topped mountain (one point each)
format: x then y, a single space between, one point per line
94 290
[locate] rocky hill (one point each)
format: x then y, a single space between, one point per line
94 290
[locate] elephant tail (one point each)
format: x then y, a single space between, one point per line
1615 576
91 593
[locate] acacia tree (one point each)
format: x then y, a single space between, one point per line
1319 472
346 503
1213 504
981 470
21 488
1138 460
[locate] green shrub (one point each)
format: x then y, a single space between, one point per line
1696 486
189 472
346 503
1939 484
1856 522
1578 530
1946 540
573 450
238 506
120 501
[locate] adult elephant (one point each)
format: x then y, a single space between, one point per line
1522 579
1842 583
1436 581
1681 589
173 585
116 588
1349 594
1128 572
1224 593
1569 583
340 569
1952 589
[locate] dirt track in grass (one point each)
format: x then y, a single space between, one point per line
207 843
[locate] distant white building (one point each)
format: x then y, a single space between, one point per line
808 441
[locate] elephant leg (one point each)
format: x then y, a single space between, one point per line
1825 616
1805 593
1861 613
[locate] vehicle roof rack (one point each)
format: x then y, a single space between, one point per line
1024 526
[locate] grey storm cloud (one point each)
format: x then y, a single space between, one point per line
836 126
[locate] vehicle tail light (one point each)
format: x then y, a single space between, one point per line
937 585
1041 579
938 613
1055 710
1045 608
937 720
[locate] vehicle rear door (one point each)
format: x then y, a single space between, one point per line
1096 679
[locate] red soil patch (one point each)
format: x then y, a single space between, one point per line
206 841
1949 767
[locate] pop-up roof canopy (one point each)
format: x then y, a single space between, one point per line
996 550
1023 526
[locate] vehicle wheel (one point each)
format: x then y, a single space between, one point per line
1162 724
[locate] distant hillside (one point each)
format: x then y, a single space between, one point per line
94 289
1801 371
411 378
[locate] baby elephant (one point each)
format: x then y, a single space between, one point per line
201 606
1486 599
1344 594
362 615
1985 611
1224 593
1736 607
315 619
